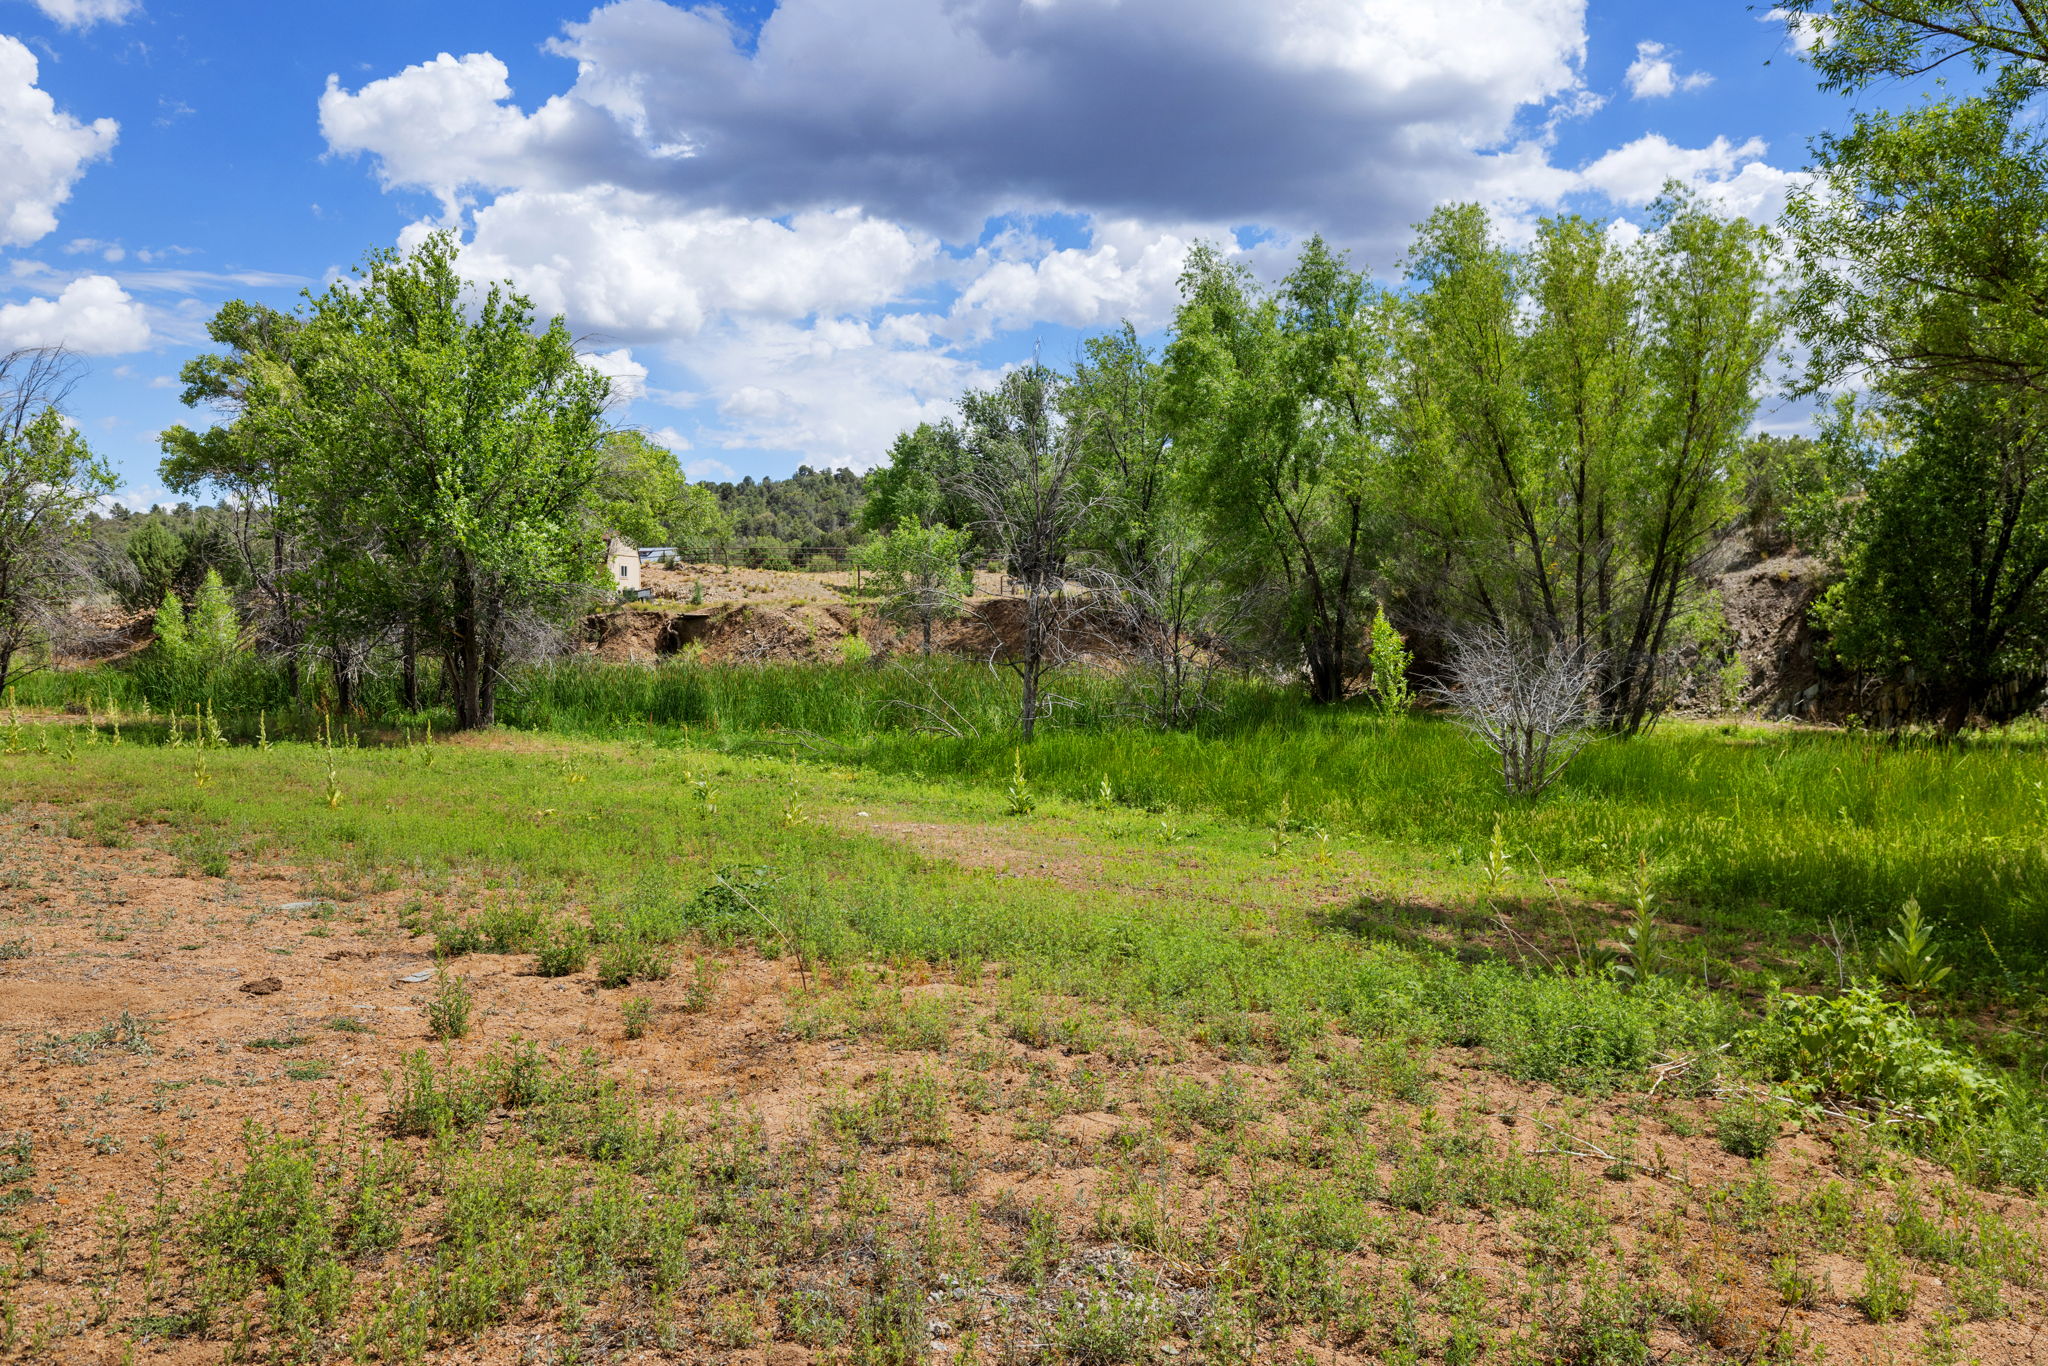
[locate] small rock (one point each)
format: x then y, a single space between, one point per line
263 986
302 905
417 976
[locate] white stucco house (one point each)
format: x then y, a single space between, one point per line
622 564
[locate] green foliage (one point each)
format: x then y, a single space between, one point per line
1945 557
48 479
918 573
1919 243
1859 1047
1571 425
642 495
1275 401
1390 661
921 481
1908 956
444 453
449 1010
1748 1125
564 951
810 507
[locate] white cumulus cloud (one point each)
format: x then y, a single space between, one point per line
1804 31
93 316
1733 175
810 228
85 13
634 267
43 150
628 376
1653 76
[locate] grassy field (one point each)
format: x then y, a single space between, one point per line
1240 1045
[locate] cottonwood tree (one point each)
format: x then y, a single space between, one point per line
1276 399
1115 402
1573 418
922 481
917 571
49 478
1946 553
642 494
450 445
253 384
1921 242
1025 477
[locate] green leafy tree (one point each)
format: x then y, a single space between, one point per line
1275 399
450 449
1921 243
1115 402
244 457
917 572
643 495
1945 557
1573 421
921 482
49 479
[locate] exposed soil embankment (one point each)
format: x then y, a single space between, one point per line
990 629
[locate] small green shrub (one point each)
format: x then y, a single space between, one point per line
448 1012
1887 1292
636 1012
428 1102
630 959
564 952
1862 1048
1748 1126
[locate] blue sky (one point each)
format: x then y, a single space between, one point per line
791 230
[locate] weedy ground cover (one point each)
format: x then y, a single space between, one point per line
918 1076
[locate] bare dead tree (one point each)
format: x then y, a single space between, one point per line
1027 481
1173 620
1533 704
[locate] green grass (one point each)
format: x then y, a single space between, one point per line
1768 830
526 1185
1826 827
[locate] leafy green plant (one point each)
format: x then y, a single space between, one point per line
449 1010
1639 940
1887 1291
631 958
1390 661
1862 1048
564 951
1023 801
1909 956
1748 1125
636 1013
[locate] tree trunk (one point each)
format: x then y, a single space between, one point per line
467 662
409 672
344 683
487 686
1325 669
